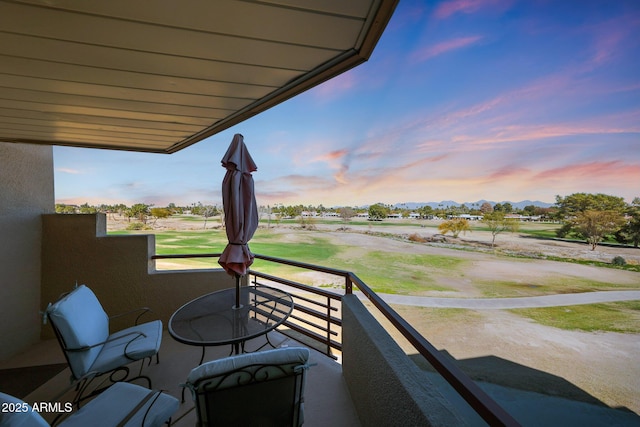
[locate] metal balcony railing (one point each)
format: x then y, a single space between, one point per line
316 316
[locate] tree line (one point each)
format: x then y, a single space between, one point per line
585 216
589 217
141 212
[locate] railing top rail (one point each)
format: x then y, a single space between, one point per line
212 255
304 265
313 267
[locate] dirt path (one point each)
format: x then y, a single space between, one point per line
506 242
504 348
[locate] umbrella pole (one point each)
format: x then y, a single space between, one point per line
237 306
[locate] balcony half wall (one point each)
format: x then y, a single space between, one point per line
119 269
386 387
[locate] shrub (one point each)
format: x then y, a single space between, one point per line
618 261
135 226
307 223
415 237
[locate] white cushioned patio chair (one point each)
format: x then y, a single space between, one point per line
121 405
82 328
256 389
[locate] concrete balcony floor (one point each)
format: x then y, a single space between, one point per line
327 399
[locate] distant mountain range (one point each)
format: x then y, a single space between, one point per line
477 204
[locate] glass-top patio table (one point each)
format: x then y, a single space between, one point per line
213 319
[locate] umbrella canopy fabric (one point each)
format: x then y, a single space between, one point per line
240 210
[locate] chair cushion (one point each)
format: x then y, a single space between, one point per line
81 321
132 342
293 356
16 413
114 404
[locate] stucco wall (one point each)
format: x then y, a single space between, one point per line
76 249
26 192
387 388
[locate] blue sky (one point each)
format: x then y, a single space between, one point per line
461 100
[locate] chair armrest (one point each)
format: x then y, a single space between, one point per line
144 310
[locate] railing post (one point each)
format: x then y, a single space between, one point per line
348 285
328 326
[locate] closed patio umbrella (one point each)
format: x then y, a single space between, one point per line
240 210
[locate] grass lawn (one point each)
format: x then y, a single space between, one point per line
394 273
403 273
621 317
545 286
385 272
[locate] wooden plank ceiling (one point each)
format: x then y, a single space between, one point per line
158 76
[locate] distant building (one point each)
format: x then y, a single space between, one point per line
468 217
524 218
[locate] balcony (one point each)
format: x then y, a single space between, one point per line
361 375
326 387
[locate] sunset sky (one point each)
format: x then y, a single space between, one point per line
461 100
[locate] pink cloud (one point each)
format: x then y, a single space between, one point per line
433 145
508 172
336 86
609 35
68 170
443 47
338 160
331 156
446 9
540 132
605 47
456 117
506 117
293 180
425 160
341 175
275 197
598 170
